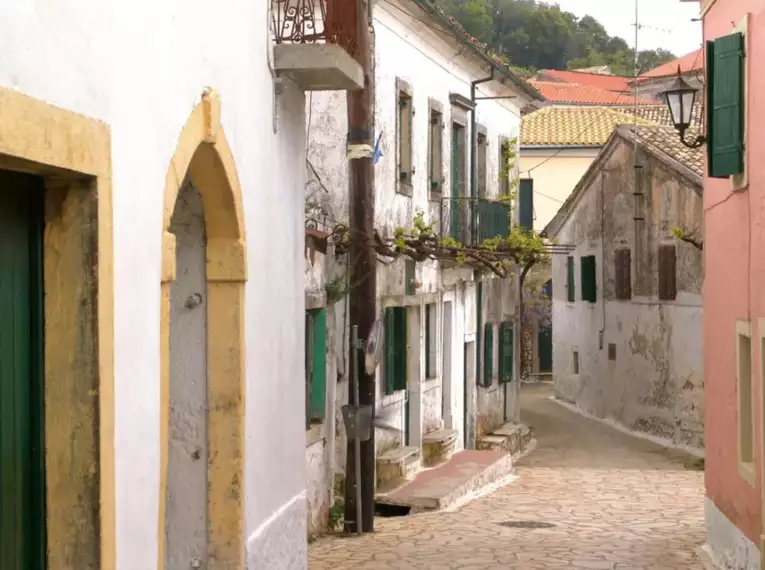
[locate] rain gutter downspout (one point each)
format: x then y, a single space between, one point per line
474 232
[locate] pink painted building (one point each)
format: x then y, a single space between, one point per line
734 302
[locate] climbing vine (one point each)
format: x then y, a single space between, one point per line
689 236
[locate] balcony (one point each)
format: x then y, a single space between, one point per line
470 221
315 41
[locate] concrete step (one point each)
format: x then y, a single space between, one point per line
454 480
496 442
438 446
517 437
397 465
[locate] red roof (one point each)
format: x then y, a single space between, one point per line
575 93
607 82
693 61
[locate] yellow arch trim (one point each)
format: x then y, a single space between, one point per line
204 154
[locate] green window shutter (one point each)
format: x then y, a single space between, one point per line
571 282
319 366
526 203
589 284
488 353
725 106
400 342
506 352
390 349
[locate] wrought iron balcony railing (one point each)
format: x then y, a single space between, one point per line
315 21
470 221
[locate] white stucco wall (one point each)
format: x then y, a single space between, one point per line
141 68
655 383
434 67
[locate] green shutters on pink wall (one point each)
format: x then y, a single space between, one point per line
725 106
22 472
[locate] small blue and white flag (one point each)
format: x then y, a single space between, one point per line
377 154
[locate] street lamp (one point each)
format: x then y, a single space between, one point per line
680 98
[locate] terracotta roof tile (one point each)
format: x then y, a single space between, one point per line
693 61
607 82
667 141
572 126
660 114
559 92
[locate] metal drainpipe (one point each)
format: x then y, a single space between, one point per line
474 229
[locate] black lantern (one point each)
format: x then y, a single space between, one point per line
680 98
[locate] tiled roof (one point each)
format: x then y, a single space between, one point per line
667 141
558 92
572 126
660 114
693 61
607 82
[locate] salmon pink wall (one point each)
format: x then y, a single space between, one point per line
734 284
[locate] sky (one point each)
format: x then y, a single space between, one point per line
664 23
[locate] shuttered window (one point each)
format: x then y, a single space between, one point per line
480 163
571 279
404 139
526 203
316 364
488 353
667 273
395 349
505 352
589 282
435 150
430 341
623 274
725 106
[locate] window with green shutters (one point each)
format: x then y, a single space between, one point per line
589 281
505 352
571 279
316 364
725 106
395 349
488 353
430 341
404 126
526 203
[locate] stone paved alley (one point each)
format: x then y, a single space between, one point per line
616 503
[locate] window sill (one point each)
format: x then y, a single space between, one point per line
314 434
404 188
746 470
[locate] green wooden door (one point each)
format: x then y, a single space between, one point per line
544 336
22 473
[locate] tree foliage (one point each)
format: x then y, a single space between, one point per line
536 35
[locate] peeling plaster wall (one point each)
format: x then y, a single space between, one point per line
656 382
141 71
434 67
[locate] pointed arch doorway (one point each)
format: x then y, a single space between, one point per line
204 271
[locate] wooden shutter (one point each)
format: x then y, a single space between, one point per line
488 353
526 203
725 105
390 349
401 339
506 352
319 365
623 274
430 341
571 281
589 284
409 274
667 273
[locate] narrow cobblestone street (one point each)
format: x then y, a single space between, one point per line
614 502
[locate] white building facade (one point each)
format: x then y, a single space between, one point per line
433 380
167 142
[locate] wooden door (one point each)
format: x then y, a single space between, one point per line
22 471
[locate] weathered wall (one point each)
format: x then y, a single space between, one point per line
434 67
555 175
735 271
655 384
141 69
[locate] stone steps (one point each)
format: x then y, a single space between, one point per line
398 465
512 438
438 446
